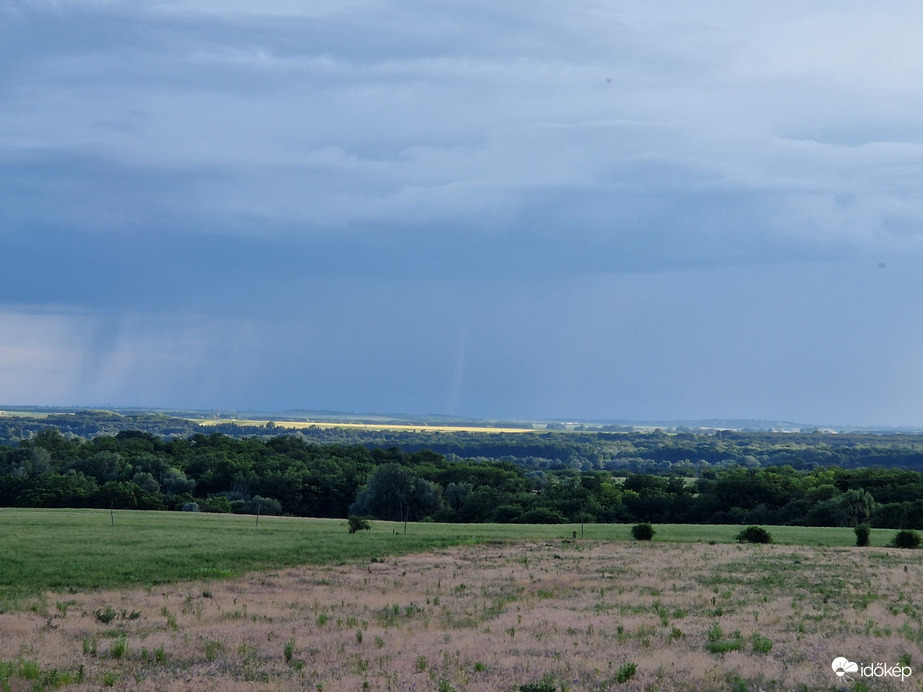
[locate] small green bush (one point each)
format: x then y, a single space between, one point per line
754 534
357 523
626 671
119 647
642 532
212 648
29 670
719 644
906 538
105 616
761 645
547 684
862 535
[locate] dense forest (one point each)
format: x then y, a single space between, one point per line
718 478
676 452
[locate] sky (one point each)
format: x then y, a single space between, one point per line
532 209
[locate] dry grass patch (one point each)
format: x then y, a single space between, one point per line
580 616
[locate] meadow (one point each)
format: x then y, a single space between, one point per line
78 549
152 601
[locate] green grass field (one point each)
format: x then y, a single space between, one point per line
61 550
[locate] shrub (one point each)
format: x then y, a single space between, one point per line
119 647
642 532
105 616
547 684
862 535
357 523
626 672
540 515
761 645
445 686
719 644
906 539
219 504
754 534
268 506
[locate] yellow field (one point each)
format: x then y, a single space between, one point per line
296 425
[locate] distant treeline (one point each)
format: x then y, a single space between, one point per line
289 474
86 424
679 453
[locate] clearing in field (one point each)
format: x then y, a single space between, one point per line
558 614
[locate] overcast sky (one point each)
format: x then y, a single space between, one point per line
527 209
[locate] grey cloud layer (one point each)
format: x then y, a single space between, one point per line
454 115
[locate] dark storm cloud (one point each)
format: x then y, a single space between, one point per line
591 209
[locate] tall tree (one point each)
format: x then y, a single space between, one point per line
856 506
387 493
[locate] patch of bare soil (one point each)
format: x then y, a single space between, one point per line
579 616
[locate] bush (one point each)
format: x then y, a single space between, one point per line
540 515
547 684
642 532
862 535
719 644
218 503
357 523
106 616
267 506
626 672
906 539
754 534
761 645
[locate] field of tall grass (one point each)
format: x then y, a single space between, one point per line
153 601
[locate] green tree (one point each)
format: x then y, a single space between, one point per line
146 482
387 493
426 499
455 494
104 466
174 481
855 506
